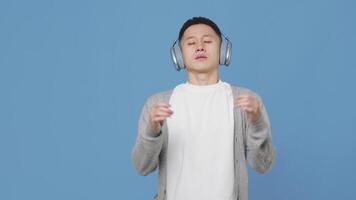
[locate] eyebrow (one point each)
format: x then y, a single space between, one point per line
205 35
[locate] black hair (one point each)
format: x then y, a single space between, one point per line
199 20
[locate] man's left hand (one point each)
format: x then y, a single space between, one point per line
250 104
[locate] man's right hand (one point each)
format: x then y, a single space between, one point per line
158 114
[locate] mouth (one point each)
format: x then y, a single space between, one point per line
201 57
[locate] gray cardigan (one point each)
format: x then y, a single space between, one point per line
252 145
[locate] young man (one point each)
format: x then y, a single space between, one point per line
202 133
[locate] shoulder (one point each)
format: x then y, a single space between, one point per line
163 96
238 90
242 90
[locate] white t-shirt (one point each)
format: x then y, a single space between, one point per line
200 143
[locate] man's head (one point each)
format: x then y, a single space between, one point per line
199 40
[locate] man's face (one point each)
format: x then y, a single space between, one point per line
201 48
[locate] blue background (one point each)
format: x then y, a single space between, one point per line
74 76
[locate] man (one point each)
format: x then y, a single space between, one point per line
202 133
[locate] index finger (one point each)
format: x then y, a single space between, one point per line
163 104
243 96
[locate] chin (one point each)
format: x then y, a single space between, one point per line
200 69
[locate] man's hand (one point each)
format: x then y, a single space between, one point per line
250 104
158 114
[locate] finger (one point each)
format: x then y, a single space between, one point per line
164 109
162 104
161 110
244 104
243 96
243 109
243 99
161 114
249 109
247 96
157 114
159 119
249 99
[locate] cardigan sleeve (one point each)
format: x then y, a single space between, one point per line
148 145
260 151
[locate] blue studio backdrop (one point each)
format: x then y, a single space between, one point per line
74 76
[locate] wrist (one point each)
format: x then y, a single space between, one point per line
154 130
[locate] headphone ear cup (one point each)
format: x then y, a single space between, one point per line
177 57
225 52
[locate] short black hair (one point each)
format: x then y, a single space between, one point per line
199 20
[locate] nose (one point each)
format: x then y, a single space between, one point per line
199 50
200 47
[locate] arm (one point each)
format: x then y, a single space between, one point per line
259 148
145 154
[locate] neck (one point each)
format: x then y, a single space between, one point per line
197 78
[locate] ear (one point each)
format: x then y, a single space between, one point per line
177 57
225 51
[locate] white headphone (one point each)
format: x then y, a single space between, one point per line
225 53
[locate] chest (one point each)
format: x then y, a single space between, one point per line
201 114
